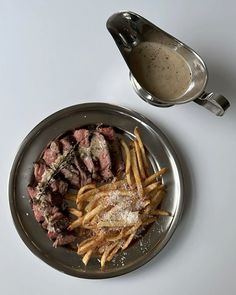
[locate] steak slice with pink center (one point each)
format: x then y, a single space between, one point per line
66 144
72 175
51 154
82 137
99 150
39 169
114 147
32 191
37 212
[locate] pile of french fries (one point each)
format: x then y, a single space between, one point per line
104 237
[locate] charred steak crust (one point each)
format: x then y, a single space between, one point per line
70 162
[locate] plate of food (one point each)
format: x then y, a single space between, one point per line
96 190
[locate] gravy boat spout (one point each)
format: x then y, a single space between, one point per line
127 29
163 70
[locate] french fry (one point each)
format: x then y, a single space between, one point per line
75 212
85 241
88 216
155 201
90 245
87 256
151 187
157 198
101 249
91 205
134 228
139 159
127 162
160 212
127 154
75 223
86 195
93 200
128 241
145 162
154 176
86 247
111 186
116 237
79 205
113 252
136 172
86 188
146 203
149 220
106 254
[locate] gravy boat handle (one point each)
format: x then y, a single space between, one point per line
216 103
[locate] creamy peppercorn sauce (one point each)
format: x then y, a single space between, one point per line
161 70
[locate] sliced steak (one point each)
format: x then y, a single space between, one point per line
88 161
92 155
56 220
45 224
32 191
66 144
107 132
37 212
51 210
72 175
61 224
52 235
51 154
59 186
56 216
39 169
82 137
63 240
85 177
114 147
116 157
99 150
54 199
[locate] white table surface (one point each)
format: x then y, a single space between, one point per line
54 54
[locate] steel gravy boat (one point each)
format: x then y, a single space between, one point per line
130 29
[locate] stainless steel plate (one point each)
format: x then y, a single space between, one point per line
160 154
